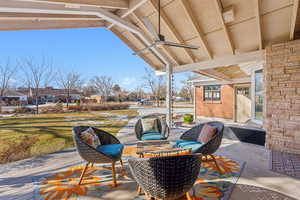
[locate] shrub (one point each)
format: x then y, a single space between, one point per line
51 109
75 108
188 118
99 107
77 102
24 110
17 151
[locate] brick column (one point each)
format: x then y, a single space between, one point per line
282 92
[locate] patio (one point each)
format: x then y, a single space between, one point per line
256 181
234 42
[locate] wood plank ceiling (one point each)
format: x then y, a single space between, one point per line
220 27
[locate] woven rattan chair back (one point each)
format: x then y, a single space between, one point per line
160 123
166 177
89 153
213 144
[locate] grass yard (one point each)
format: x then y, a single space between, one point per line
33 135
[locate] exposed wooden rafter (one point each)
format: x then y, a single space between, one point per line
294 19
220 16
115 4
144 28
169 25
189 12
258 22
133 5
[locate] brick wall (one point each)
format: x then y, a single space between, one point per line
282 102
222 109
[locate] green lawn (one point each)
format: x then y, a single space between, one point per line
33 135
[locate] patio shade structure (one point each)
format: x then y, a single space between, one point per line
228 32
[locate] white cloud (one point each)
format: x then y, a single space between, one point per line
128 81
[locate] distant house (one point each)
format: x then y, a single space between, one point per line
96 98
11 97
50 94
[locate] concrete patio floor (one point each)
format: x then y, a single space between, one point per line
256 181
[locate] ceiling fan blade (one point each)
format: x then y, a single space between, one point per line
173 44
144 49
150 28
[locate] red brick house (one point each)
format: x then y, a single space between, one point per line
50 94
236 100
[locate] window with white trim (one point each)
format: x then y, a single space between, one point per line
212 93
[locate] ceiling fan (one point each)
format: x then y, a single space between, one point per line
159 38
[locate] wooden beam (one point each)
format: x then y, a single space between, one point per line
222 61
189 12
29 16
214 74
218 82
172 29
294 19
144 28
47 19
115 4
47 24
133 5
220 15
134 48
99 12
257 4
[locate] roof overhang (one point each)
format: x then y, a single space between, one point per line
229 32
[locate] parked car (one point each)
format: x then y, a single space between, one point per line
144 102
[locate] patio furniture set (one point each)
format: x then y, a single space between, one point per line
165 169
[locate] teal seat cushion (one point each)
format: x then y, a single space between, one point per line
114 150
195 146
152 136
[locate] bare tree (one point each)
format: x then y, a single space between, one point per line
139 91
69 82
7 71
36 74
104 86
187 90
88 90
156 84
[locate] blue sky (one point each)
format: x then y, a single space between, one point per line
90 52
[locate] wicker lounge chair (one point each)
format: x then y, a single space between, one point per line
110 150
207 150
166 177
161 125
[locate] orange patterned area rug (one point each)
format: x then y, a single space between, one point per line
97 183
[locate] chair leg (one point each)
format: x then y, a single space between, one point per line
188 196
92 165
121 161
139 190
82 173
114 174
216 163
